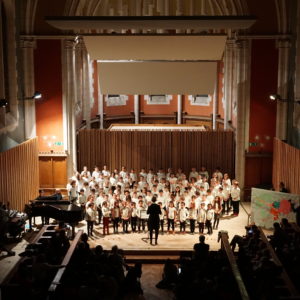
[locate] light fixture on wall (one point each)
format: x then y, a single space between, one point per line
3 103
36 96
276 97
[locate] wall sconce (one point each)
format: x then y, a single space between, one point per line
36 96
276 97
3 103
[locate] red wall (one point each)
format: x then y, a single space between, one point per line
48 80
196 110
264 68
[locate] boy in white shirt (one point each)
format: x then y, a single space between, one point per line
106 214
171 215
193 174
105 171
133 219
123 172
161 217
209 218
182 216
96 172
192 216
141 211
133 175
201 217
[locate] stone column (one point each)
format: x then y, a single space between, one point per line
215 108
282 88
136 109
229 61
87 91
179 109
100 109
69 98
28 45
243 104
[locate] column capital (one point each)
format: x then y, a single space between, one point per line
230 43
27 43
69 44
79 44
283 43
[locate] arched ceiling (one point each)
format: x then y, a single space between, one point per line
271 14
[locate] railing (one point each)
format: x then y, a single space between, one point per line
234 267
288 284
248 214
58 277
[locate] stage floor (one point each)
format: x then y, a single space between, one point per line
138 241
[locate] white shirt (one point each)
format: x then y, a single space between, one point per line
210 214
106 212
183 214
235 193
90 214
171 213
96 174
193 213
105 173
201 216
193 174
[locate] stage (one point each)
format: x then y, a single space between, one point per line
175 242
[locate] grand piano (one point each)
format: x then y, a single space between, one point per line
60 210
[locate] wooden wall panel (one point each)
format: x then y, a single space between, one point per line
46 178
19 174
53 171
59 172
157 149
286 166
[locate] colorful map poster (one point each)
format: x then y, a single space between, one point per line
268 207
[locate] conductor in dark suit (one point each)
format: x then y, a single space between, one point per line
201 249
153 221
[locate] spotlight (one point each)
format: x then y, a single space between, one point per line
3 103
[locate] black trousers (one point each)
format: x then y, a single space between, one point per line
125 225
226 206
116 222
182 226
216 221
208 226
154 228
171 223
161 225
236 207
133 223
99 214
192 225
201 227
141 224
90 227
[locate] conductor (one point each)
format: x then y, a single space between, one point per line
153 221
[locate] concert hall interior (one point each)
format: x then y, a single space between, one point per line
149 149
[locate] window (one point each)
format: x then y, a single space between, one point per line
116 100
201 100
158 99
